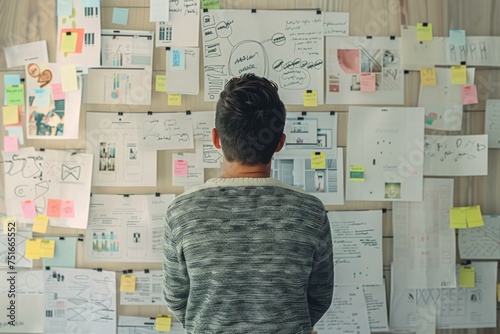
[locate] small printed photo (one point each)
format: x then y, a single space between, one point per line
319 181
391 58
392 190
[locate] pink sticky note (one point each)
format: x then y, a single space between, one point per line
469 95
57 92
54 207
367 82
67 209
28 208
180 168
10 143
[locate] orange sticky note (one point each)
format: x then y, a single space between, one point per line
68 42
163 323
469 95
428 76
28 208
40 224
10 143
47 248
9 224
474 216
54 207
459 75
466 277
68 78
174 99
424 32
458 218
10 115
368 82
180 168
67 209
310 98
33 249
127 283
318 160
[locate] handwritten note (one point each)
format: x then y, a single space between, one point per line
458 218
318 160
28 208
167 131
310 98
335 24
459 75
40 224
33 249
127 283
357 173
368 82
174 99
47 248
14 95
428 76
54 207
163 323
180 168
466 277
424 32
57 92
210 4
161 83
67 209
469 95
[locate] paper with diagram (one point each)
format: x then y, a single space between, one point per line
481 242
182 27
284 46
165 131
387 145
183 70
148 289
492 123
19 259
349 58
357 247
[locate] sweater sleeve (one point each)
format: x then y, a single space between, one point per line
320 292
175 276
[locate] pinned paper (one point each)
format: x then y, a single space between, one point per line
163 323
318 160
9 224
367 82
180 168
424 32
428 76
16 131
28 208
68 43
120 16
469 95
68 76
459 75
356 173
64 7
457 38
33 249
67 209
310 98
127 283
54 207
42 98
67 36
161 83
178 60
174 99
10 115
458 218
210 4
474 216
40 224
10 144
57 92
14 95
466 277
47 248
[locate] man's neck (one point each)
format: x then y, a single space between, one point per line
236 169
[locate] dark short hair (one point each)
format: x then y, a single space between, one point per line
250 118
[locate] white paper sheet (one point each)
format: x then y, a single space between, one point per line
114 140
195 173
182 27
142 325
80 301
456 155
456 307
6 258
347 314
375 298
165 131
349 57
336 24
159 10
123 229
51 179
481 242
186 80
443 102
424 243
492 123
357 247
19 55
284 46
148 289
209 154
388 143
127 48
203 123
61 118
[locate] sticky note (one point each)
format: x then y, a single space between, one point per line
458 218
54 207
459 75
457 37
68 39
498 292
33 249
11 80
127 283
28 208
178 59
67 209
163 323
64 7
428 76
42 98
10 144
318 160
9 224
424 32
120 16
161 83
10 115
357 173
367 82
40 224
180 168
474 216
469 95
14 95
68 77
174 99
466 277
68 43
57 92
210 4
64 253
47 248
310 98
16 131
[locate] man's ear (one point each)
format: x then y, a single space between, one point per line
215 138
281 143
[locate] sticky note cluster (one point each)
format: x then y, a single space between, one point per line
463 217
39 248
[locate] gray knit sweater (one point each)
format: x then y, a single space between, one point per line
247 255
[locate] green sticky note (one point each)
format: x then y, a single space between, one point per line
14 95
210 4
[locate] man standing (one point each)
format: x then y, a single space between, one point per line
246 253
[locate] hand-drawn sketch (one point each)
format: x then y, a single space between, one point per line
20 260
481 242
166 131
287 48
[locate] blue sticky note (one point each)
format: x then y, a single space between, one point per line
42 98
64 253
10 79
120 16
178 59
64 7
16 131
90 3
457 37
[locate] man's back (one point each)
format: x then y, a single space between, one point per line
248 255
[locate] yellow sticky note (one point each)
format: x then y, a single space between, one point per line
459 75
40 224
498 292
47 248
424 32
33 249
310 98
466 277
174 99
68 43
357 173
458 218
68 78
163 323
161 83
428 76
127 283
10 115
318 160
9 224
474 216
